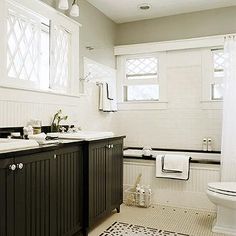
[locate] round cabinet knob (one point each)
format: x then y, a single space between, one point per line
12 167
112 145
20 166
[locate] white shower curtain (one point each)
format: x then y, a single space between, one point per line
228 167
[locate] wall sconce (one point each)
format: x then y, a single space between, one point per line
64 5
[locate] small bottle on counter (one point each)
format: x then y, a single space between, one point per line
37 127
28 131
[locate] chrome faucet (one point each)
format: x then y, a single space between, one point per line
58 117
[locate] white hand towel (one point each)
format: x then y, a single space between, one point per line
184 175
110 94
174 162
100 106
107 97
41 139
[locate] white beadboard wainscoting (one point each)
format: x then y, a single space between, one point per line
17 107
190 194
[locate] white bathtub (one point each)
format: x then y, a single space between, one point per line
204 168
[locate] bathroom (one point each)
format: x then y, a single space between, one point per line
140 82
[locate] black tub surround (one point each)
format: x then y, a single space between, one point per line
153 158
60 189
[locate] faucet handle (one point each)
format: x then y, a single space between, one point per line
63 129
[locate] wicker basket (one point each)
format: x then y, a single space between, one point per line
132 198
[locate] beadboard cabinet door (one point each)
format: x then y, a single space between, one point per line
97 175
35 195
104 178
115 175
69 190
6 197
42 196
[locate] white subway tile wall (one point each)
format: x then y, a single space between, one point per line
185 123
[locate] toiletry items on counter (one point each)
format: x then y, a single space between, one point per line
42 139
36 124
207 144
15 135
28 131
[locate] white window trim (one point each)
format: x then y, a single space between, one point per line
203 43
55 16
207 79
193 43
161 81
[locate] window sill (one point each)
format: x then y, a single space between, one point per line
132 106
212 105
20 94
49 92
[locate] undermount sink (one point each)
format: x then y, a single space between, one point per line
84 135
13 144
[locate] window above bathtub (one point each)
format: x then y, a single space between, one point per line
40 47
213 63
141 79
217 86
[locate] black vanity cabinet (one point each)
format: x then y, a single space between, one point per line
28 195
40 194
69 191
6 198
60 190
104 178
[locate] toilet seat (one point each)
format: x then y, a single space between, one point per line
225 188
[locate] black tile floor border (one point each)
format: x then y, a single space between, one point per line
125 229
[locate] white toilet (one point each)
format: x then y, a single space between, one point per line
223 195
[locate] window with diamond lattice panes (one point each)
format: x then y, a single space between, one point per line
23 32
141 79
61 58
141 68
39 46
217 87
219 60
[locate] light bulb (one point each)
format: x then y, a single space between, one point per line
74 10
63 5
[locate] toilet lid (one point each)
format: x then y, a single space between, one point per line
228 188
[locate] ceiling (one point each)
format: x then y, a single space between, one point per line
121 11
